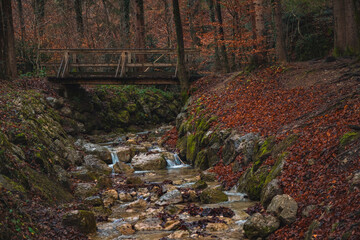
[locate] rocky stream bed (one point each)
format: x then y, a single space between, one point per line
143 191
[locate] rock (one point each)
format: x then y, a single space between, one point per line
62 176
149 224
180 234
125 197
355 181
125 229
66 111
208 176
134 181
93 201
140 203
171 209
82 173
284 207
123 168
102 152
171 225
148 162
104 182
307 210
199 185
123 154
260 226
215 227
168 187
97 165
83 190
168 155
213 195
269 191
252 182
237 143
54 102
83 220
171 197
110 196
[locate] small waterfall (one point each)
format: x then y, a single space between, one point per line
177 163
114 158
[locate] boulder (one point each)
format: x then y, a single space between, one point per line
149 224
125 229
269 191
123 168
125 197
208 176
213 195
237 143
102 152
201 184
284 207
123 154
134 181
140 203
84 174
93 201
148 162
171 197
260 226
83 190
97 165
83 220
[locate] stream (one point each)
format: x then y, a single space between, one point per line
141 210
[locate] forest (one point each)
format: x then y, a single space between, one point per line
179 119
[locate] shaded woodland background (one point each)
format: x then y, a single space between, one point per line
232 34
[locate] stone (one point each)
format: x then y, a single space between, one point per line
307 210
122 168
149 224
123 154
102 152
199 185
236 144
171 197
66 111
134 181
125 197
179 234
208 176
213 195
97 165
148 162
93 201
270 191
140 203
112 193
171 225
260 226
284 207
355 181
104 182
83 190
125 229
83 220
84 174
215 227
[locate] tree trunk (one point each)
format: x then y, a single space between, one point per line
280 35
39 10
181 68
193 9
21 20
124 23
140 28
168 21
7 41
217 64
225 61
347 27
79 17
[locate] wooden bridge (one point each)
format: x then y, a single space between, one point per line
113 66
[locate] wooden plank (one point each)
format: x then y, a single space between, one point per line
115 81
115 65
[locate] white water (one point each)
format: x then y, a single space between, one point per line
177 163
114 158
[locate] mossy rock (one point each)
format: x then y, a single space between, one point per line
134 181
201 160
201 184
252 182
192 147
263 151
123 116
213 195
181 144
83 220
348 138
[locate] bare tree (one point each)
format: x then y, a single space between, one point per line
217 64
280 34
124 23
79 17
225 61
182 71
7 41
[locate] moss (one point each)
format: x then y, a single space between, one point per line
262 151
201 160
9 184
349 137
213 195
192 146
131 107
123 116
201 184
256 182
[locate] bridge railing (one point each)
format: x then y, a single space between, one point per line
116 63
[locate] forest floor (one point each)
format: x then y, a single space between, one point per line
320 102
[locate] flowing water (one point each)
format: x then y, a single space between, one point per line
178 175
